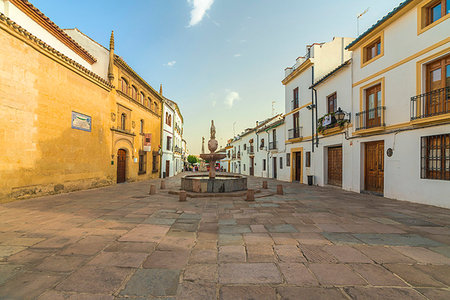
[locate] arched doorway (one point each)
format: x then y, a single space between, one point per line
121 165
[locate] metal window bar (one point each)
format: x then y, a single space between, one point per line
435 157
295 133
273 145
436 102
370 118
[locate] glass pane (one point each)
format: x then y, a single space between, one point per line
436 13
378 48
447 71
378 98
435 79
371 106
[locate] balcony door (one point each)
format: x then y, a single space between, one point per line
437 100
373 106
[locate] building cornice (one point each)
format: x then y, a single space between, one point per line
119 92
20 33
121 63
300 69
36 15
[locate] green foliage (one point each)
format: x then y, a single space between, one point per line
192 159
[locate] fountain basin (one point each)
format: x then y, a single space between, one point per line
219 184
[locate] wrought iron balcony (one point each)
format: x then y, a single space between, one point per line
431 104
295 133
370 118
272 145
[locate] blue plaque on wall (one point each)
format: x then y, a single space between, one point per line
81 122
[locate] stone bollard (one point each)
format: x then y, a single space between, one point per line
250 195
182 196
265 185
280 189
152 189
163 184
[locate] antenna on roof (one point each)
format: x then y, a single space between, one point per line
357 20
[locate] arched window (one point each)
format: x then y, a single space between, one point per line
142 126
124 86
155 106
134 92
123 121
142 98
149 102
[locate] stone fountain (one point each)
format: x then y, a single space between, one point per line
212 183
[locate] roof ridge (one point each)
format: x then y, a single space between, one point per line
23 32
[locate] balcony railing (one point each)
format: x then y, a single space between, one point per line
295 133
272 145
431 104
370 118
251 150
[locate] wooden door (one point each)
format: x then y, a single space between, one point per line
437 77
274 159
335 166
167 168
374 167
252 168
297 165
121 165
373 106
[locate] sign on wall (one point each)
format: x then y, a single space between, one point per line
147 142
81 122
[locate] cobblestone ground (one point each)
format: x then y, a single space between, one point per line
311 243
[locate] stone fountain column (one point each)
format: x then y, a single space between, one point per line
212 157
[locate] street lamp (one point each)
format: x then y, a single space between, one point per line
340 115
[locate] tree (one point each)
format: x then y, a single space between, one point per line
192 159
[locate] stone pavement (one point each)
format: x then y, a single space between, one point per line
311 243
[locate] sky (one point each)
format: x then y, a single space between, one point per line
220 60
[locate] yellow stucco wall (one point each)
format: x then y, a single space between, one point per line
40 152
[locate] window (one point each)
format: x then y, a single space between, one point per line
434 11
124 86
435 157
142 162
308 159
155 162
142 98
123 121
288 159
245 147
295 101
142 126
373 106
169 146
372 50
134 92
149 103
264 164
332 103
155 105
261 146
244 167
281 162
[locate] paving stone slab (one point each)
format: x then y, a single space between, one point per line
281 228
247 293
393 239
95 279
336 274
232 254
152 282
342 238
310 293
201 273
119 259
61 263
253 273
384 293
423 255
56 295
27 285
377 275
347 254
414 276
297 274
435 294
195 290
234 229
383 254
130 247
8 270
175 260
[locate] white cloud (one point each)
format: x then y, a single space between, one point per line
199 9
171 63
237 55
230 98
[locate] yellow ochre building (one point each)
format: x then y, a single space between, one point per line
73 115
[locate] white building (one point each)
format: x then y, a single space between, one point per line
172 137
391 135
300 117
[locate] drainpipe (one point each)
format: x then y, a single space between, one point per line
315 106
161 137
312 109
